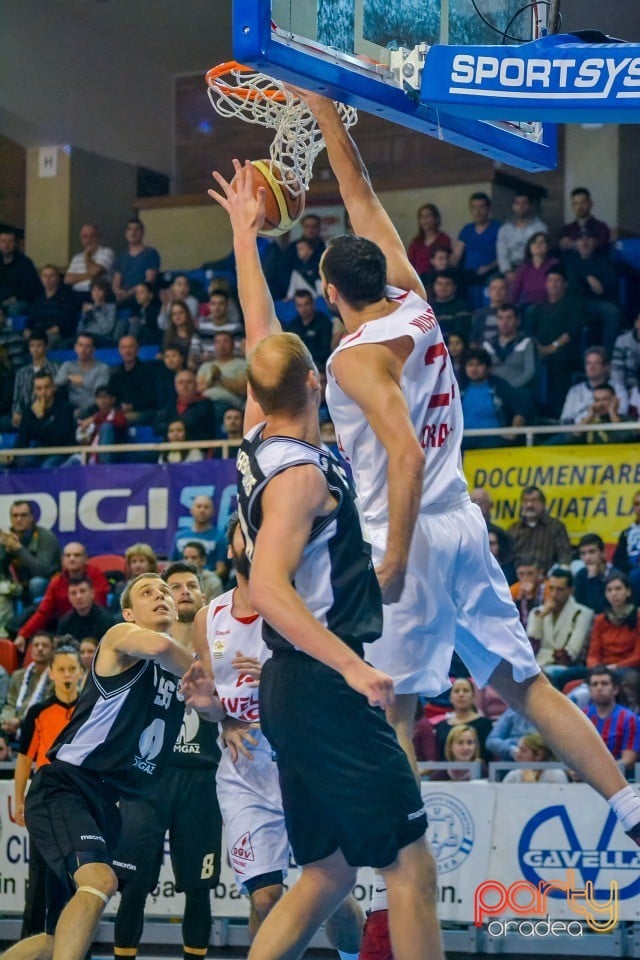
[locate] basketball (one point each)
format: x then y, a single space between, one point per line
282 209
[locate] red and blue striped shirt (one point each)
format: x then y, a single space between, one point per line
620 729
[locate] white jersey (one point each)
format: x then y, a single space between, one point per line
431 391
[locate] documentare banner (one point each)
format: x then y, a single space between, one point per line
477 831
590 489
109 507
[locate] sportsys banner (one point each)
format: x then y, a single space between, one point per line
482 834
109 507
590 489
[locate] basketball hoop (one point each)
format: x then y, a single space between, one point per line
238 91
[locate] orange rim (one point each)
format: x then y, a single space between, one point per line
214 79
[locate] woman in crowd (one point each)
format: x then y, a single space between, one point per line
178 292
461 746
88 647
463 701
429 235
615 635
457 347
181 330
99 317
505 562
177 433
528 284
533 749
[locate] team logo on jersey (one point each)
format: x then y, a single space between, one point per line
242 851
243 463
149 746
218 649
188 733
451 831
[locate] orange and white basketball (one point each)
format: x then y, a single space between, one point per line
283 209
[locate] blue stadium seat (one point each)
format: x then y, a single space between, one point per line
108 355
143 434
60 356
285 311
19 323
7 440
148 351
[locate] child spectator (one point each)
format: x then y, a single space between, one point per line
177 433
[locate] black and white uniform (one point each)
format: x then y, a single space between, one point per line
345 781
183 801
455 592
248 790
113 746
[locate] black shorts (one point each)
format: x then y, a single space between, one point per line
72 818
346 782
185 804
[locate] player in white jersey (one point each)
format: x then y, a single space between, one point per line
228 633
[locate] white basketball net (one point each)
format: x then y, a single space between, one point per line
266 101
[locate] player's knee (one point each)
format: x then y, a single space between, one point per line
265 899
98 880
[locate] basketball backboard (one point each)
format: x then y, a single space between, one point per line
370 54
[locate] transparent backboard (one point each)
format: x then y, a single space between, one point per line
370 53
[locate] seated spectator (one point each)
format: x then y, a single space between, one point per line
627 555
23 390
177 433
615 636
618 727
505 736
475 248
484 320
311 227
461 746
513 235
143 321
7 380
423 735
482 500
556 326
55 602
462 696
99 317
528 284
138 558
457 347
452 312
106 426
559 629
181 332
629 695
536 534
86 618
312 326
178 292
528 591
140 264
4 690
194 552
54 313
201 530
592 276
429 235
501 553
83 376
215 317
93 261
224 378
29 553
88 647
579 399
12 343
132 383
233 424
590 581
488 402
305 275
163 374
29 685
604 409
513 356
625 366
532 749
48 422
19 281
197 412
582 204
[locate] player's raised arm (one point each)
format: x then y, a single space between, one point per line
368 217
140 643
246 213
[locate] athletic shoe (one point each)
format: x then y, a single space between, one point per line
376 941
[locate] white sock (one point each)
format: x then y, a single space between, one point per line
347 956
626 806
379 896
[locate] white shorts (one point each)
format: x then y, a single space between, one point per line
251 805
455 595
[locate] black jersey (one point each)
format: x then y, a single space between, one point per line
123 727
335 577
197 742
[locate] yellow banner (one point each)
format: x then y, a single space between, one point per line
590 489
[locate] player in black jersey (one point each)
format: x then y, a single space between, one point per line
114 743
183 801
349 794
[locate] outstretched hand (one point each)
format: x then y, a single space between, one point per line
244 204
197 687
